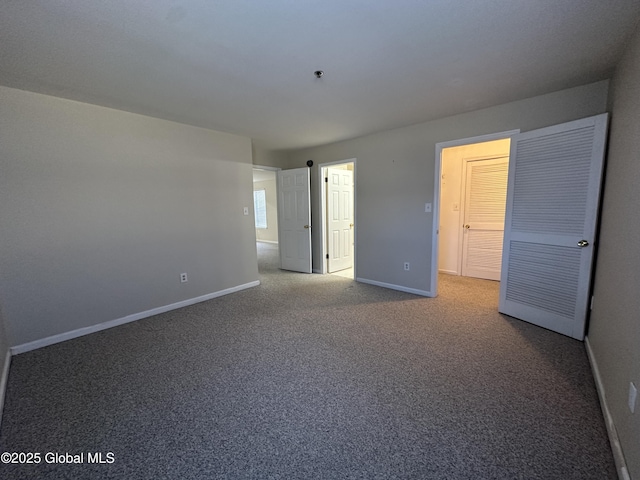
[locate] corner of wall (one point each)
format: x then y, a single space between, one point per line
614 440
5 362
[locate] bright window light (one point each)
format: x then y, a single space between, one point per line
260 207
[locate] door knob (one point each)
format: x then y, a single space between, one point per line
583 243
467 226
351 225
307 226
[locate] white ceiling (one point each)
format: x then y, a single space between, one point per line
246 66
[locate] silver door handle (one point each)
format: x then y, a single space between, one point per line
583 243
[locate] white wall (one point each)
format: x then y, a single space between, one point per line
451 196
395 178
268 158
269 234
614 329
101 210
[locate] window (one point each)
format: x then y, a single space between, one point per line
260 207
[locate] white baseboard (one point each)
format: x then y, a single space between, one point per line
449 272
61 337
274 242
618 455
400 288
3 382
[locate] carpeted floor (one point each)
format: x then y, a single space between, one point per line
313 377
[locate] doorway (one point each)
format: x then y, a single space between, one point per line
337 226
265 207
472 205
470 190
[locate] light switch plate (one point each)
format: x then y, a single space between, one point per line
246 210
427 207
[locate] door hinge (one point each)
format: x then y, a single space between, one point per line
326 179
327 256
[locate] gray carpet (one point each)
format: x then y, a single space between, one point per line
314 377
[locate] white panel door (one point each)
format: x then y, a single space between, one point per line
484 208
551 221
339 219
294 219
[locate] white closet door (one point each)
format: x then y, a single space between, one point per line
553 196
484 207
294 219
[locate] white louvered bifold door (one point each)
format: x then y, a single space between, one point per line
484 207
550 227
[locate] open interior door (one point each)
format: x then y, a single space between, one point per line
553 196
339 219
294 219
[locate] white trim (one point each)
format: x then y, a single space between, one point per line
449 272
267 241
265 167
3 381
61 337
323 211
435 227
618 454
415 291
315 270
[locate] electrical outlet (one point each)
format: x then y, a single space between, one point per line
633 393
406 266
183 277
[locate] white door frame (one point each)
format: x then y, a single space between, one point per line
436 194
323 212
